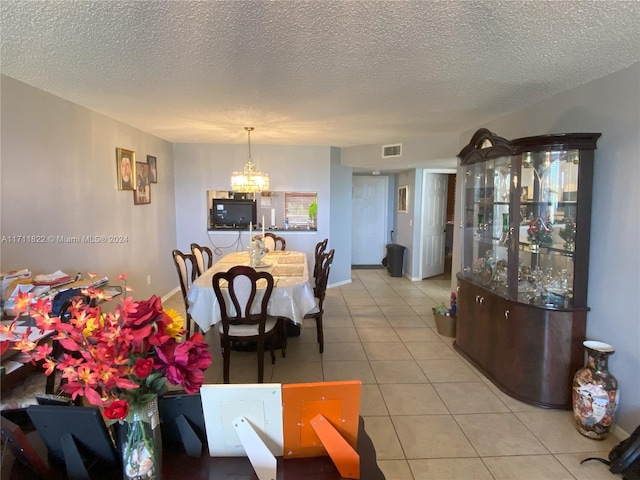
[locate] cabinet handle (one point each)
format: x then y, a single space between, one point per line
477 298
506 314
481 300
458 289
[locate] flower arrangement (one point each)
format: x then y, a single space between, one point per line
540 232
119 360
568 234
123 355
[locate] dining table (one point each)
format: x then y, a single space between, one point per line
292 296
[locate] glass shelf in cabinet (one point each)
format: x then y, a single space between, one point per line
546 249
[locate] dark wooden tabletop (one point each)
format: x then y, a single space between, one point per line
177 465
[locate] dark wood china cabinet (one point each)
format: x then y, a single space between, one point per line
522 301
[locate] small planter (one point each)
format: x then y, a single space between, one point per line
445 324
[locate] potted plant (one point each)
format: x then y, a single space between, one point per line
446 317
313 213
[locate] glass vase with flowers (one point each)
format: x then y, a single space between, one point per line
120 361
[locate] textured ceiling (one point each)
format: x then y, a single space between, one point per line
339 73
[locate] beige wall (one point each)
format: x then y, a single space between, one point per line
58 178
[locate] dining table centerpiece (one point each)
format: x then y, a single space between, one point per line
119 361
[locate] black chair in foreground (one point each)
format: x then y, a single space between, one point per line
204 257
236 291
187 268
320 290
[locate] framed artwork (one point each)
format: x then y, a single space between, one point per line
403 198
153 170
142 193
126 169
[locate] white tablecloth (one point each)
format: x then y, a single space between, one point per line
292 295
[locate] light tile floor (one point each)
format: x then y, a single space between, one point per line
430 414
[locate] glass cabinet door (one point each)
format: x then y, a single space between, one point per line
547 227
487 197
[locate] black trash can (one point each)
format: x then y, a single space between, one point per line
395 259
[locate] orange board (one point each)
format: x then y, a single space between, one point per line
337 402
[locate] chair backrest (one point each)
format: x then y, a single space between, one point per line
237 294
320 248
187 270
204 257
274 242
326 259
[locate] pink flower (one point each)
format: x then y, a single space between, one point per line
185 362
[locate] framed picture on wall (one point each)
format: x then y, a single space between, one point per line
142 193
153 170
126 169
403 198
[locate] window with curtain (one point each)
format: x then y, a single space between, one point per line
296 207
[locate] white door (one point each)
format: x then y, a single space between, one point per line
369 224
434 212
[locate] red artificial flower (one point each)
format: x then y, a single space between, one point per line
141 316
118 410
143 367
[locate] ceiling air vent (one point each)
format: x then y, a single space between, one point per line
389 151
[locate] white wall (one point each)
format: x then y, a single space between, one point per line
610 105
202 167
405 222
340 218
436 151
59 178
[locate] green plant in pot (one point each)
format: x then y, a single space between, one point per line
313 212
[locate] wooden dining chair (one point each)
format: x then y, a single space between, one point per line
274 242
187 268
236 291
204 257
320 249
326 259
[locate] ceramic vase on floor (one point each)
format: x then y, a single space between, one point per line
595 392
141 443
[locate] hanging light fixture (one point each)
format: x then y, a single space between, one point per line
249 180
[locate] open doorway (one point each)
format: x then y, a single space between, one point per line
448 236
436 230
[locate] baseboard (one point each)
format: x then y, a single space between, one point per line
166 296
619 433
338 284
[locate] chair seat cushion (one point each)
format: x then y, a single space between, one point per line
249 330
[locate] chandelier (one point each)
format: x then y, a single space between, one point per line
249 180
